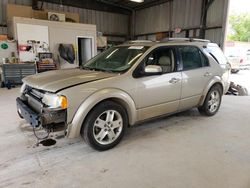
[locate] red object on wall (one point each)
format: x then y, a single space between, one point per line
22 48
177 30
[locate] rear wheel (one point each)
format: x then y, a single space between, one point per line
212 102
105 126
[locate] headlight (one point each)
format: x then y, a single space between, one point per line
55 101
22 88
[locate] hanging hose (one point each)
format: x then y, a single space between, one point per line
41 138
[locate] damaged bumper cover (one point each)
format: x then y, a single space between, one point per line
47 118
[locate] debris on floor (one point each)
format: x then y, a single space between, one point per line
238 90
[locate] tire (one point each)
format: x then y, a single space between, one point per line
212 102
105 126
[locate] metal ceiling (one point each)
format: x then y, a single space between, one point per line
118 6
133 5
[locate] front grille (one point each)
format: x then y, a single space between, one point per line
36 93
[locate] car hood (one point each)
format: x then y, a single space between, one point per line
54 81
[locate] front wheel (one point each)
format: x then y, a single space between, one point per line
105 126
212 102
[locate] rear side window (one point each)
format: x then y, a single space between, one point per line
217 54
192 57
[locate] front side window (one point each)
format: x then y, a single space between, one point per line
116 59
192 57
163 57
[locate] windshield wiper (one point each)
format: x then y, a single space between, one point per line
103 70
96 69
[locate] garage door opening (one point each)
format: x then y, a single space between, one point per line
237 44
85 49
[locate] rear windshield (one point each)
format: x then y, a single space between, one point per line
217 54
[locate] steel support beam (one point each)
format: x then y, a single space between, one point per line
205 6
115 5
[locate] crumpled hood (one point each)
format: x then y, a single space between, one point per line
57 80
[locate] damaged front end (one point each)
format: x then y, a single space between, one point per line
42 109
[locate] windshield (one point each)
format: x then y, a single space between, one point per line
116 59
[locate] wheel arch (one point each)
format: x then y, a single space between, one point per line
212 83
115 95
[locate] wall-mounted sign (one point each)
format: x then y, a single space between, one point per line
4 46
177 30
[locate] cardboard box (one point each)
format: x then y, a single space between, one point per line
3 37
160 36
101 42
14 10
37 14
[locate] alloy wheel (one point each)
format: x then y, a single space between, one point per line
107 127
214 101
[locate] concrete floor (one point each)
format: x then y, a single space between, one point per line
184 150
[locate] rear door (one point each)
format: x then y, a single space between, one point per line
196 74
215 51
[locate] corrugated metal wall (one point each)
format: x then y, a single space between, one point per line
186 14
216 19
108 23
153 19
214 35
215 13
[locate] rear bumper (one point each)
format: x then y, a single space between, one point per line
48 118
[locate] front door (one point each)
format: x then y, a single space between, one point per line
159 94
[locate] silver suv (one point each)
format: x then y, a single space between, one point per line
124 85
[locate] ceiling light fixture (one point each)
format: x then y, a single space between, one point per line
138 1
61 4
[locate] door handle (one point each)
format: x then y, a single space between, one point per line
174 80
208 74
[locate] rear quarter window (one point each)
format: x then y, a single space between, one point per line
216 53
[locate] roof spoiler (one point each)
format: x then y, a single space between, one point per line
184 39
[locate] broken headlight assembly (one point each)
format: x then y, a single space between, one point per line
54 101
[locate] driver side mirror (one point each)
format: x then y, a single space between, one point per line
153 70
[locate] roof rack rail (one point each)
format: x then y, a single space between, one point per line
184 39
137 41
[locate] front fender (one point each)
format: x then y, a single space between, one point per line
214 80
74 127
